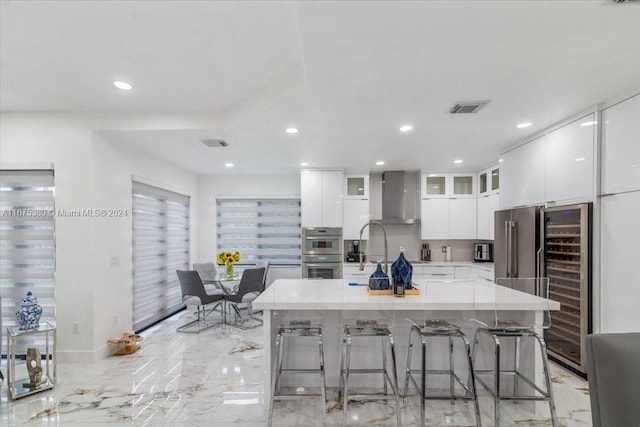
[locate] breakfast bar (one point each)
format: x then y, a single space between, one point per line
334 303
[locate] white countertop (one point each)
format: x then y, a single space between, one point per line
318 294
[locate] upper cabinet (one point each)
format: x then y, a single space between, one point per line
522 173
356 206
557 167
448 208
489 181
356 186
447 185
321 198
621 147
569 161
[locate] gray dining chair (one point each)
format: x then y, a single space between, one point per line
194 293
250 287
613 370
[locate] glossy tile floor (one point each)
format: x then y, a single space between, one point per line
216 378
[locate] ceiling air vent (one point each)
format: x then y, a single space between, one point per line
466 107
214 142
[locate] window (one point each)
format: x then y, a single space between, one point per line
261 229
27 245
160 247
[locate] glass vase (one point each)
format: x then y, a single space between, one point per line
229 270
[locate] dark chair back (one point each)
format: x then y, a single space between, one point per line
613 369
191 285
251 281
265 265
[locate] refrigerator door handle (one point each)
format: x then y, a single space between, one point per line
514 248
507 245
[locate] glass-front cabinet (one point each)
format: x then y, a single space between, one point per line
489 181
448 185
462 185
356 186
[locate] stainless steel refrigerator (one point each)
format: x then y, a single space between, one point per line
516 246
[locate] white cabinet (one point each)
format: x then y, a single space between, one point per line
438 272
522 174
448 206
356 206
488 181
462 218
621 147
443 219
462 272
446 185
356 214
619 255
356 186
321 198
434 219
487 205
352 273
569 172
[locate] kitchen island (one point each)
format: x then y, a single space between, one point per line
334 303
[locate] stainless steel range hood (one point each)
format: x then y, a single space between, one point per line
400 197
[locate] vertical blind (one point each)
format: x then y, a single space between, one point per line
27 245
160 247
261 229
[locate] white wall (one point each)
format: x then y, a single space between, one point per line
212 186
89 173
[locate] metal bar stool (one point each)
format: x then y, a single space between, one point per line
440 329
368 328
501 327
297 329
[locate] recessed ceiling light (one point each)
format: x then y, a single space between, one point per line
304 164
380 163
523 125
500 160
406 128
228 165
122 85
458 161
588 123
579 159
291 130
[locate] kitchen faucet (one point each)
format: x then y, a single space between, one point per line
386 248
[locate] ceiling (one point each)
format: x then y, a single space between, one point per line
347 74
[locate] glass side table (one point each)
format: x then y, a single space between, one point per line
43 371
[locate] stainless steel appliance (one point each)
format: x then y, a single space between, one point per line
516 247
400 197
566 248
322 253
483 252
552 242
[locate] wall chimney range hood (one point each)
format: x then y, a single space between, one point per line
400 197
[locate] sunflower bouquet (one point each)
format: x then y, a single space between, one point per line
228 258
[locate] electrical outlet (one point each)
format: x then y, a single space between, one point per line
444 249
115 321
75 327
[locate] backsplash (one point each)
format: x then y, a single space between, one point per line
407 237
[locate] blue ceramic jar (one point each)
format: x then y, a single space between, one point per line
402 271
378 279
29 312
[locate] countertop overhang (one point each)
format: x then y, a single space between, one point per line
336 294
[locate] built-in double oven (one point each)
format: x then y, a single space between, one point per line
322 253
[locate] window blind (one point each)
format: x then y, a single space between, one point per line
27 246
160 247
261 229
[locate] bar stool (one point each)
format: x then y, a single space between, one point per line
503 327
297 329
435 329
368 328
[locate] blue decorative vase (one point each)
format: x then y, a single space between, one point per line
401 271
378 279
29 312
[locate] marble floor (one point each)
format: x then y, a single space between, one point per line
216 378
